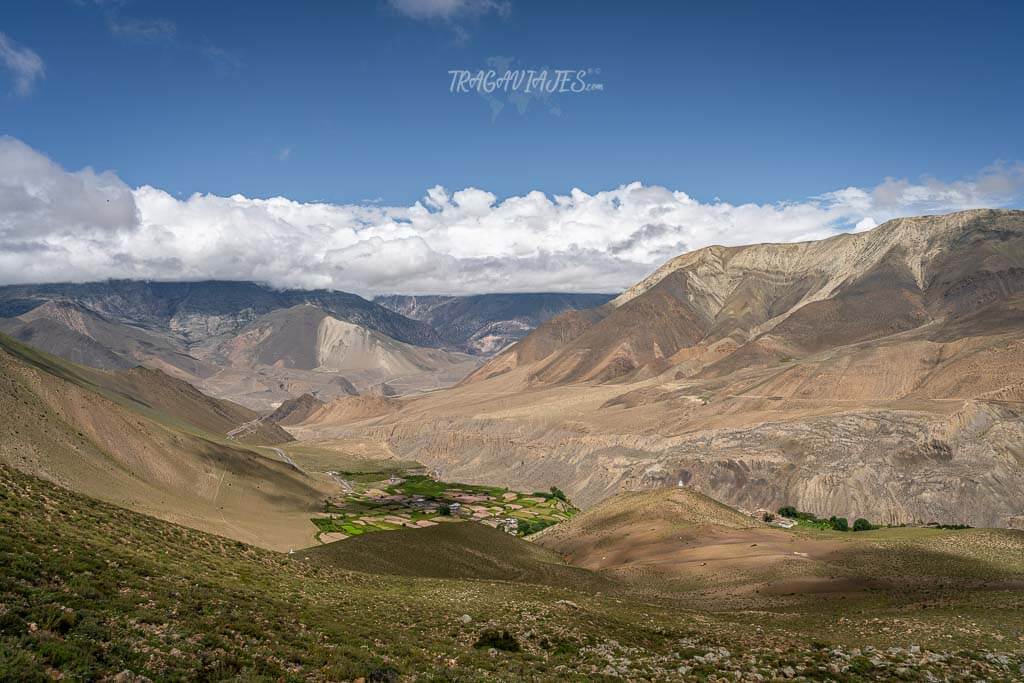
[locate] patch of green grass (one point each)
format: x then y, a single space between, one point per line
419 486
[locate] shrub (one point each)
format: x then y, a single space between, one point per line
445 510
840 523
768 517
499 640
532 526
382 675
557 493
788 511
861 524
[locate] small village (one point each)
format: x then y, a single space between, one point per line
769 517
418 501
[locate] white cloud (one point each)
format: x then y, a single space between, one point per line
24 64
455 14
39 200
448 9
56 225
864 225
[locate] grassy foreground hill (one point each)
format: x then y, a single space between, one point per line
90 591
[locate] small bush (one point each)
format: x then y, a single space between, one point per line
499 640
557 493
861 524
768 517
445 510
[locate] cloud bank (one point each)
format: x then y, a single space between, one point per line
57 225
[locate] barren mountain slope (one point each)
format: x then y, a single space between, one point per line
877 375
303 349
152 390
295 410
771 301
81 335
542 342
58 424
351 409
487 323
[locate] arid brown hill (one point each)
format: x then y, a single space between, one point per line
151 443
295 410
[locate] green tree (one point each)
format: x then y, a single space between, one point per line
788 511
861 524
558 493
840 523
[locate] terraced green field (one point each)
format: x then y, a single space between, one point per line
416 500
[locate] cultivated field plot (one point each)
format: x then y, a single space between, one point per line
419 501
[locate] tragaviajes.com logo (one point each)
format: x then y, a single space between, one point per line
526 81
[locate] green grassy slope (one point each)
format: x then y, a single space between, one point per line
88 590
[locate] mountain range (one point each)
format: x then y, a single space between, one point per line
260 346
875 374
487 323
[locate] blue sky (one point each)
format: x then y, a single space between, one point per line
744 101
318 144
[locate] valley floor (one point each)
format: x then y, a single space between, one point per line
90 591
